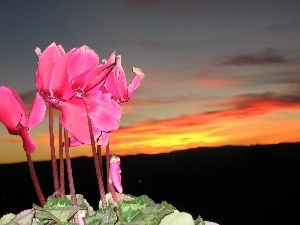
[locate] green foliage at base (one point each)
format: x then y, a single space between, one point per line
129 211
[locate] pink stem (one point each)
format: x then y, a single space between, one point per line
107 162
61 164
100 158
35 181
53 157
70 173
97 165
69 169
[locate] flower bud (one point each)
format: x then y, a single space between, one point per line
115 172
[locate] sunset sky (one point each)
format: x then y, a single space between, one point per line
217 72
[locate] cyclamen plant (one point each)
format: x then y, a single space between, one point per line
87 94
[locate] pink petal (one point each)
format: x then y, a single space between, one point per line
47 61
59 83
92 77
79 83
28 144
105 113
83 59
104 138
116 82
10 110
37 111
74 119
99 74
74 142
115 172
81 214
136 80
23 120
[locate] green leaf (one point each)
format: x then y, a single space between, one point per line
56 212
58 202
101 217
82 203
23 218
199 221
7 218
66 223
111 202
142 210
61 210
177 218
36 221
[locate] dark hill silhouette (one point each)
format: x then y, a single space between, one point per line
231 185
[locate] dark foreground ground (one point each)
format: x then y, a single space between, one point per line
230 185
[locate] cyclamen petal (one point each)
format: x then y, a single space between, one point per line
136 80
13 116
9 104
100 73
92 77
37 111
83 59
28 145
103 139
104 112
81 214
23 120
74 119
47 61
115 172
59 81
116 82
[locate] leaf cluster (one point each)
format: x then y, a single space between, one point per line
129 211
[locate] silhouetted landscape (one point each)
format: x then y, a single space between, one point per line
230 185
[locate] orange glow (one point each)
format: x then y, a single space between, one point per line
264 121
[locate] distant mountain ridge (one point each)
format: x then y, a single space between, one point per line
234 185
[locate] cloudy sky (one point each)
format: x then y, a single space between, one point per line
217 72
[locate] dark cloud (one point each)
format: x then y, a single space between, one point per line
259 104
248 105
239 107
274 28
248 99
145 45
28 97
288 77
267 57
137 4
170 7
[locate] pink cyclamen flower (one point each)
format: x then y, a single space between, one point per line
115 172
116 82
13 116
70 82
52 80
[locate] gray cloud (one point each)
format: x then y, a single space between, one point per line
28 97
267 57
288 98
256 104
170 7
274 28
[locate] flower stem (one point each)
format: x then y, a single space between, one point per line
100 158
61 164
110 185
69 170
53 157
97 165
35 181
